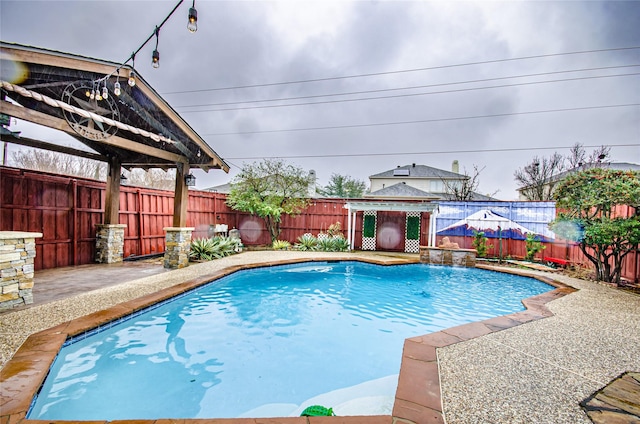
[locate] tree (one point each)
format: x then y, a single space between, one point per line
270 189
588 200
152 178
464 189
59 163
538 179
343 186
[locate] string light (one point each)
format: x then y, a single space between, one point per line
99 94
116 86
155 56
192 26
132 73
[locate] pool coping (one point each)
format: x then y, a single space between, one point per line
418 395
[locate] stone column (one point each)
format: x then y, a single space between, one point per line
17 253
110 243
177 247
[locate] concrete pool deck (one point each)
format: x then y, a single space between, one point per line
535 372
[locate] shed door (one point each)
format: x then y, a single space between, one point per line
390 233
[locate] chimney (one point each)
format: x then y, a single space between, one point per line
455 167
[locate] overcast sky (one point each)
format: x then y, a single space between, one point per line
418 62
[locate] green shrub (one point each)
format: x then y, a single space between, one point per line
281 245
306 242
533 246
480 243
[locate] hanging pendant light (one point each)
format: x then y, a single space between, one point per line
155 56
132 73
192 26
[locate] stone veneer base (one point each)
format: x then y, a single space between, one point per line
418 396
17 254
110 243
177 247
445 256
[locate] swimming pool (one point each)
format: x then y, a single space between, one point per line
253 343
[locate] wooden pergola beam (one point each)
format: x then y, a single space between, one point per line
30 142
62 125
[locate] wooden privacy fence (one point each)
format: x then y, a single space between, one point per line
67 209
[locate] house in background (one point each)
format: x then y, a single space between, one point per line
312 190
549 185
418 182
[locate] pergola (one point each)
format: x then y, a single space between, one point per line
135 129
397 206
122 119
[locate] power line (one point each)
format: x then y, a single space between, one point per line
396 96
438 152
406 88
421 121
403 70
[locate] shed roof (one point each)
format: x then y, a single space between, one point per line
139 127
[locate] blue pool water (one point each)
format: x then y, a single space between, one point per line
263 342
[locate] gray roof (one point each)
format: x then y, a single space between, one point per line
420 171
402 190
222 188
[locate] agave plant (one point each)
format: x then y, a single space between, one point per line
307 242
206 249
281 245
202 249
340 244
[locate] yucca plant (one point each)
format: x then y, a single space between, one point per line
281 245
306 242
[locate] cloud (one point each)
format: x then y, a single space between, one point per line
249 43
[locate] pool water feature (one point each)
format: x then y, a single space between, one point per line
271 341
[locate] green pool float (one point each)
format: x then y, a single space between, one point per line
317 411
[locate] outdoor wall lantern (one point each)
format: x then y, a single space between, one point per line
190 180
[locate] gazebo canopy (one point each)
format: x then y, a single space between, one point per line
137 128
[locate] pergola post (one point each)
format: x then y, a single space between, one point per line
110 234
178 237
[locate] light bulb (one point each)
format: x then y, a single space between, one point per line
88 93
192 26
93 94
105 92
116 88
132 78
155 59
98 96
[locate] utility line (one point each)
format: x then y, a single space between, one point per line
438 152
402 70
397 96
421 121
407 88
